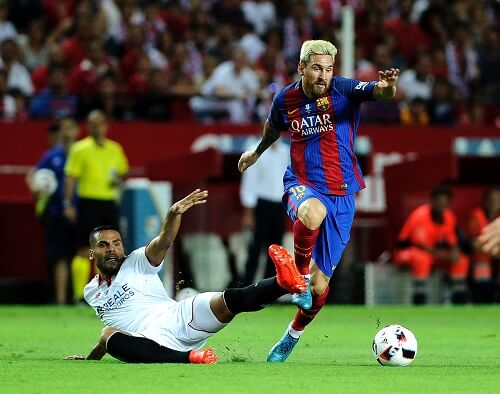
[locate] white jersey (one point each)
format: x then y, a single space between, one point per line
136 301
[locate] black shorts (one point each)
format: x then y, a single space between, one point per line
94 213
59 238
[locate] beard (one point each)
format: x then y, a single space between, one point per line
110 266
316 89
319 89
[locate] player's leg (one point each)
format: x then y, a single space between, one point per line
421 263
207 313
482 275
320 289
305 207
134 349
59 251
458 271
81 266
259 295
331 242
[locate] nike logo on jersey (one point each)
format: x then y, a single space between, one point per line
292 111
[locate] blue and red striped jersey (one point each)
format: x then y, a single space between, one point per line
323 131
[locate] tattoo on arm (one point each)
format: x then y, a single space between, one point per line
268 138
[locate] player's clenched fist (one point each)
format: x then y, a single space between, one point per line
247 159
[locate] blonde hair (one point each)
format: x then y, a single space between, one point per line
316 47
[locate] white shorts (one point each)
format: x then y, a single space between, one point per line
189 325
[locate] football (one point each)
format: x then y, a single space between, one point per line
44 181
394 345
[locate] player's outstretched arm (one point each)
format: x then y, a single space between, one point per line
269 136
97 353
385 88
158 247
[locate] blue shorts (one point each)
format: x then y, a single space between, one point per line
335 230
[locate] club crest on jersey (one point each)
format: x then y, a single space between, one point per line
322 103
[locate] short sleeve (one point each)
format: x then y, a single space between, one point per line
122 161
140 262
275 117
44 161
73 165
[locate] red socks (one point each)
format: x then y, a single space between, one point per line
303 243
303 318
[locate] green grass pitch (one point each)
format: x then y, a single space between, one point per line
459 352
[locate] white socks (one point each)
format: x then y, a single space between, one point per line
294 333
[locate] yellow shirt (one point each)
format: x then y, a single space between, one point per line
96 167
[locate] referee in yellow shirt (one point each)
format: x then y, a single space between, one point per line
96 166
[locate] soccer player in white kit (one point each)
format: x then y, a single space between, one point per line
143 324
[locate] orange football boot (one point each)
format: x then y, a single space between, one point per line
287 274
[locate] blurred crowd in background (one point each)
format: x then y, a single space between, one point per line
222 60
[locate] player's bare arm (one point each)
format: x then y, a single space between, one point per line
158 247
385 88
99 350
97 353
269 136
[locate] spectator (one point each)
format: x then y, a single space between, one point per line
110 100
441 107
40 75
85 78
489 64
414 113
417 82
409 35
461 57
261 14
55 101
58 231
230 91
75 47
370 31
482 268
18 76
261 191
58 11
428 239
228 12
7 28
251 44
221 45
21 103
297 28
96 166
7 102
150 21
34 46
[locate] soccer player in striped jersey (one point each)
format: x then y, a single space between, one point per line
321 111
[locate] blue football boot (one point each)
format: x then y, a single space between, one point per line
303 300
282 349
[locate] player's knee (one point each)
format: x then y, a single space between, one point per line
312 213
106 332
318 288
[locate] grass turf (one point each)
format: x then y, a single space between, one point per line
459 351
